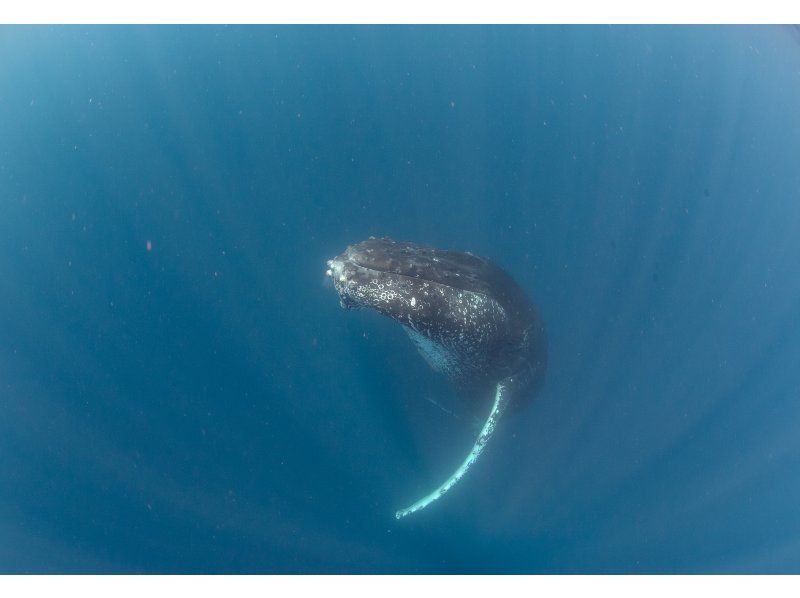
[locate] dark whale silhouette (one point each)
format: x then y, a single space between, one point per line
467 316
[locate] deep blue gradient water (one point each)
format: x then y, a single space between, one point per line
180 392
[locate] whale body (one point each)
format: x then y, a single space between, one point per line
468 317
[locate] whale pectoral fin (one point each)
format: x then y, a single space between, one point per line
500 401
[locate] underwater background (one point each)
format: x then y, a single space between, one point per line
181 392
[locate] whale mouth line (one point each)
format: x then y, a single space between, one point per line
336 265
336 271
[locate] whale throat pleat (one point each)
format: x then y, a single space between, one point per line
439 358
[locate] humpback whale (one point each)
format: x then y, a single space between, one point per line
468 318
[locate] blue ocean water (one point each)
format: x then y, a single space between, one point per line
181 392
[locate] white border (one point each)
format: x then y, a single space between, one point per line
399 11
403 11
617 586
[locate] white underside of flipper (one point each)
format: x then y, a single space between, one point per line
477 449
